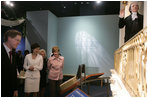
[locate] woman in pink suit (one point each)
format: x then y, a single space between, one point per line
55 76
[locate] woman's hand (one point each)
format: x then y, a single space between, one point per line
31 68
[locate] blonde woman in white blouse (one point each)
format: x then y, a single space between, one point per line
33 63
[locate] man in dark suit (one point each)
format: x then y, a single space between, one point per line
12 39
133 23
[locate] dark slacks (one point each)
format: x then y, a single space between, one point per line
54 86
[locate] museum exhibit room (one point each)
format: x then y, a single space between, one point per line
74 49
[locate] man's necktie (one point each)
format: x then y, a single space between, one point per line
10 54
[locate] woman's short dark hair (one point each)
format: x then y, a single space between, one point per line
33 46
11 33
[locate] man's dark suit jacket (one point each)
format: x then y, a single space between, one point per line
8 73
131 27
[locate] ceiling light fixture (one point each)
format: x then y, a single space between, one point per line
98 2
11 4
87 2
7 2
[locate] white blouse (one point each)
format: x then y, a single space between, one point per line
37 63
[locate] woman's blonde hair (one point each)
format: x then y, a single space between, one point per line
42 50
55 49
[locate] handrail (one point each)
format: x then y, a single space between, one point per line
130 64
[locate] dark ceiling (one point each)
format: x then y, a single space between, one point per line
60 8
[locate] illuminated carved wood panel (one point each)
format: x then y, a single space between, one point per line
130 64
